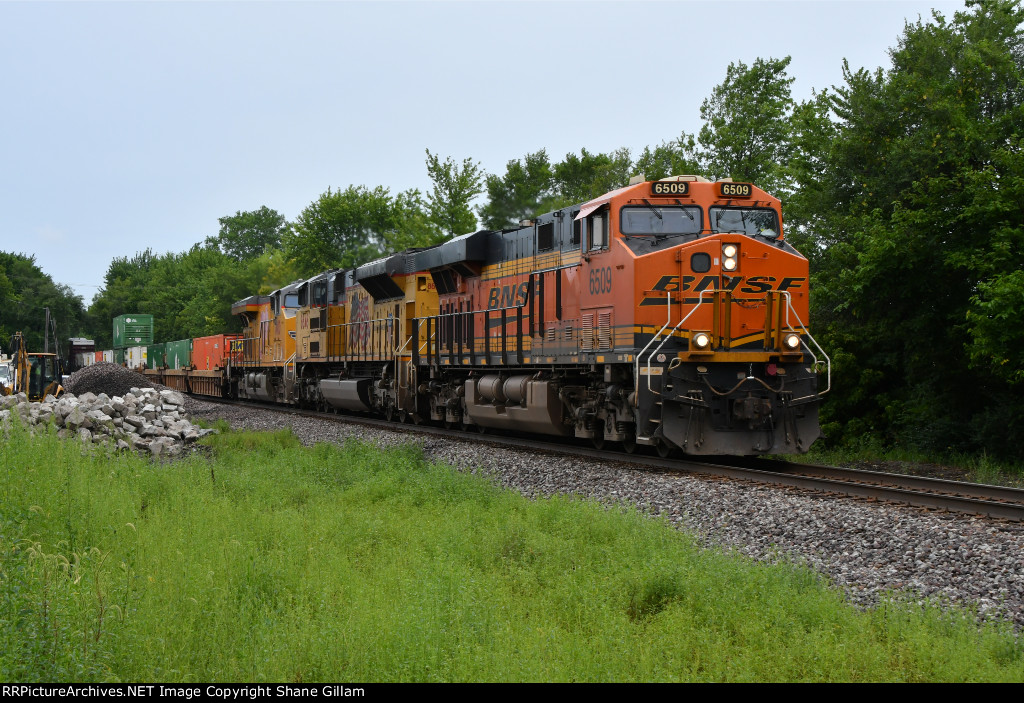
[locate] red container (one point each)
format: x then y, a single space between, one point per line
99 356
209 353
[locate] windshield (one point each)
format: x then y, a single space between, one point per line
660 220
748 220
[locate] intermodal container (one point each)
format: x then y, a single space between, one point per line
108 356
99 356
119 356
136 357
80 352
132 330
155 356
209 353
178 354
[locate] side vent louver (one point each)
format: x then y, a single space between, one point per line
587 333
604 331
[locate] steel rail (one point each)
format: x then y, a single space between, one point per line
922 492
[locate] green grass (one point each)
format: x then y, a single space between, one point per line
977 468
274 562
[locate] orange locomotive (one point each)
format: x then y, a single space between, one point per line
667 313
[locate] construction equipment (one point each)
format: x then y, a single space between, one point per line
36 374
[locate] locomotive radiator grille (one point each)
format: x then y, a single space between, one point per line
587 333
604 331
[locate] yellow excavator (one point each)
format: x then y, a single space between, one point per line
37 374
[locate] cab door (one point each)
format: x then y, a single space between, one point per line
597 284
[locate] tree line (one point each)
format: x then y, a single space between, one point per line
903 186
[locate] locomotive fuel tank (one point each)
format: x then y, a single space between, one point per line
517 403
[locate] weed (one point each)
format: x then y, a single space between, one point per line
329 563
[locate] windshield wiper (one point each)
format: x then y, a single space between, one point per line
647 234
686 210
653 209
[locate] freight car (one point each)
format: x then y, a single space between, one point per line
667 313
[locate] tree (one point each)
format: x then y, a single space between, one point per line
675 158
584 177
454 189
919 285
25 293
246 235
522 193
746 132
345 228
807 209
413 225
125 290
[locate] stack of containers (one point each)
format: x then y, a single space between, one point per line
132 334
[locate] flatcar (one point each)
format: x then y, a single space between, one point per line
667 313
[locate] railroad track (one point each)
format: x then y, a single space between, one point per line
928 493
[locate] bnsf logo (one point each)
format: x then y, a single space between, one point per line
754 284
508 296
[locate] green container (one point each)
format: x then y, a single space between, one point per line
155 356
133 330
119 356
178 354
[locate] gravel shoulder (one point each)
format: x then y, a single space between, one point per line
864 548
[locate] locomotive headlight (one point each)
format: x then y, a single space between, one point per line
730 254
791 342
701 340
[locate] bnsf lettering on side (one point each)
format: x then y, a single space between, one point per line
508 296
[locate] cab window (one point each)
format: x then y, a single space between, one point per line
597 226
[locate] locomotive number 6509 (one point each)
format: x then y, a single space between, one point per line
670 188
600 280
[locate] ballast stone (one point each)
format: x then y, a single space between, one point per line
148 420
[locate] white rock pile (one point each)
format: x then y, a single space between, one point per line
143 419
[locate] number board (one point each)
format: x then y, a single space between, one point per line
735 190
670 188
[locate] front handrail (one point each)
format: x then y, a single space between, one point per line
636 372
790 311
814 357
700 301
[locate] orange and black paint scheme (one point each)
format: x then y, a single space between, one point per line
668 313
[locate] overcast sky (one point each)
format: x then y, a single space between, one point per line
127 125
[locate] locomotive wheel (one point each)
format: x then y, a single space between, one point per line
389 412
403 416
629 444
417 419
664 449
598 438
